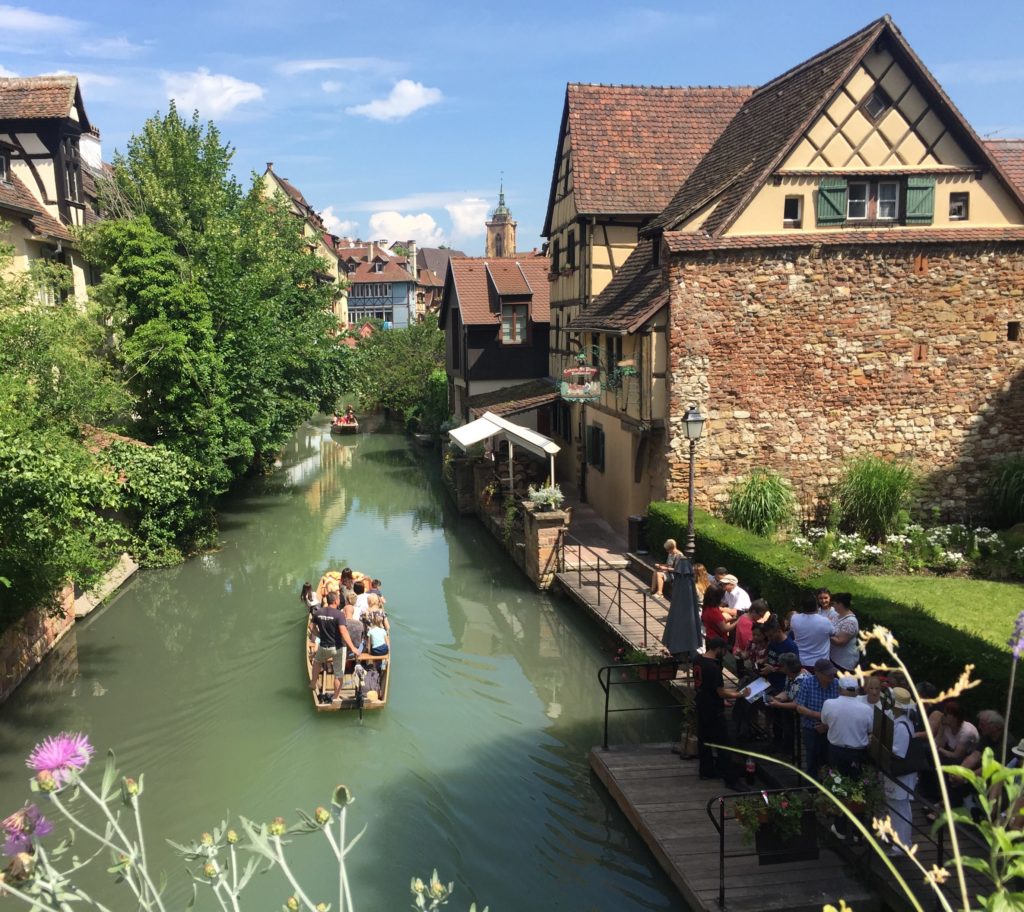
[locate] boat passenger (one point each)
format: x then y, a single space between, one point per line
362 598
328 626
376 635
346 581
375 589
350 416
354 626
375 605
309 598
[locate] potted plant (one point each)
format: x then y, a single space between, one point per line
547 498
860 794
781 825
654 665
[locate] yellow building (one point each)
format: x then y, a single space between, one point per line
839 274
321 243
49 153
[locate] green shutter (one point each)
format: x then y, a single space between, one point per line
832 201
920 200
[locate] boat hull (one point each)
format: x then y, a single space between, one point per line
345 428
348 699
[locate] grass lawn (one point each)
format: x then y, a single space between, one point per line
984 608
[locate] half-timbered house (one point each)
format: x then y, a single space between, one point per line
43 181
840 274
381 284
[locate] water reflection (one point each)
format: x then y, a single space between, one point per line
477 766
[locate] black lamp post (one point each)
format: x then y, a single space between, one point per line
693 425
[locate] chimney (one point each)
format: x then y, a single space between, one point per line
411 264
270 166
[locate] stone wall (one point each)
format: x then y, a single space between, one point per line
26 643
806 356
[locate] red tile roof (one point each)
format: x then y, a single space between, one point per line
38 97
16 197
511 400
680 241
430 279
632 146
477 295
390 272
1010 154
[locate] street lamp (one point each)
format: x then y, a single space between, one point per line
693 425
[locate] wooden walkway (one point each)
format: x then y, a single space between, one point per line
666 803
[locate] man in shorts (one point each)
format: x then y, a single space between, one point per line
328 627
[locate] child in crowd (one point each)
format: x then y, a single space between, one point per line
376 634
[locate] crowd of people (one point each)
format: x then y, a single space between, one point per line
347 625
798 684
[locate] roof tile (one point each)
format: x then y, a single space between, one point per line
474 289
1010 154
33 97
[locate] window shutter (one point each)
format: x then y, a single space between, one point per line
920 200
832 201
600 448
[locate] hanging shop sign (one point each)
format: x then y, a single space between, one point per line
581 384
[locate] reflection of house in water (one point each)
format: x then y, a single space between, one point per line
318 462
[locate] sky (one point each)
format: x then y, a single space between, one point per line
400 120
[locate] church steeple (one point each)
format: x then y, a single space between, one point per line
501 229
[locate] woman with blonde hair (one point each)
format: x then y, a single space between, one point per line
701 580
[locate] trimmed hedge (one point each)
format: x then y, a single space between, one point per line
933 650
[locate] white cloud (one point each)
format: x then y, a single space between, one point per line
332 85
468 217
335 225
6 73
428 200
348 64
397 227
213 94
119 48
92 84
21 19
405 97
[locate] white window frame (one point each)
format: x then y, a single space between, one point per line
849 200
508 318
895 201
799 220
965 201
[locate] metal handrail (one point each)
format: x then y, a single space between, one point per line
604 677
602 567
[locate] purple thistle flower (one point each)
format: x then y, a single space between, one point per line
1016 641
20 826
62 756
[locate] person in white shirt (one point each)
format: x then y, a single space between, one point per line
899 792
849 724
736 600
362 604
812 633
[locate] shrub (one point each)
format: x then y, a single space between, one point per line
782 575
872 494
763 502
1005 487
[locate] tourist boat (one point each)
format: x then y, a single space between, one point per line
351 696
345 427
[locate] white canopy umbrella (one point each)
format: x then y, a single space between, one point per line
491 425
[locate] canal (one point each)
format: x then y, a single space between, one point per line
477 766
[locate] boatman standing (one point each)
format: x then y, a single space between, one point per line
331 633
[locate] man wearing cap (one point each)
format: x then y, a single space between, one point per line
899 791
815 689
736 600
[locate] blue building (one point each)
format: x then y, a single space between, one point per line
382 286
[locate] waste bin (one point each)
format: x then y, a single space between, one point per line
636 536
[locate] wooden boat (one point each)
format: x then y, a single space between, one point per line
424 440
342 427
350 697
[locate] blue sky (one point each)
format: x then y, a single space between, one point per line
397 119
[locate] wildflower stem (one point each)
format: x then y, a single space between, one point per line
138 829
33 901
287 871
1009 706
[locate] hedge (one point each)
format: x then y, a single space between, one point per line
933 650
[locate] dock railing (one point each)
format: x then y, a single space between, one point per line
626 600
625 673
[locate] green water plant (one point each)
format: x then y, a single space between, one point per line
873 494
763 502
223 861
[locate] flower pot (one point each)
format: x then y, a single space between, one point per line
658 671
774 849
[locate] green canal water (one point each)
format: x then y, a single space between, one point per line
477 766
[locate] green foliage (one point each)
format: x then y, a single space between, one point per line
434 409
763 502
930 639
387 369
221 323
51 528
160 496
782 811
1005 491
872 494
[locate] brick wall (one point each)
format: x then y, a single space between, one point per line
27 642
806 356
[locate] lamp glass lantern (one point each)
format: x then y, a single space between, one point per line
693 423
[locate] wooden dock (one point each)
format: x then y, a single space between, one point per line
666 802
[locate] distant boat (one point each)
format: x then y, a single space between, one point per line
345 427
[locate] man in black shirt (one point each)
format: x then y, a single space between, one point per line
328 627
712 726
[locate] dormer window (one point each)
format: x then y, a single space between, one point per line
5 166
513 324
378 266
877 104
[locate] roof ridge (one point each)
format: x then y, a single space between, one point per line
859 35
645 85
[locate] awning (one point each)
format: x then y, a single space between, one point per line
513 400
491 425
